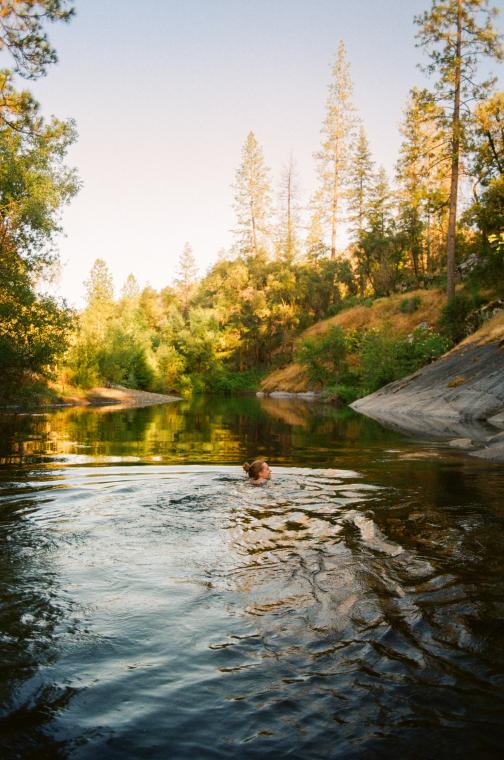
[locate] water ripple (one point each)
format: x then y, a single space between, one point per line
166 611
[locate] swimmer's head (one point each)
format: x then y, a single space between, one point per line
258 470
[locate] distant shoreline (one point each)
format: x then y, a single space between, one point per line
114 398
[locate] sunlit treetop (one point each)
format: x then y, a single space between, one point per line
437 34
22 32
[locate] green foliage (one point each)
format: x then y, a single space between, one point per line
453 317
410 305
23 34
351 364
235 382
384 357
34 184
340 393
325 356
33 332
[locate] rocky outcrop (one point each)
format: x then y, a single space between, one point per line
458 397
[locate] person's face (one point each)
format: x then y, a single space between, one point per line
265 473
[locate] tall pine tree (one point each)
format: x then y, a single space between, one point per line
456 35
252 200
333 159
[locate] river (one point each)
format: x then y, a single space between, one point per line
155 604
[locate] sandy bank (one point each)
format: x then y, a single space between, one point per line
117 397
105 399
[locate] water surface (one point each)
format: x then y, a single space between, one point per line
155 604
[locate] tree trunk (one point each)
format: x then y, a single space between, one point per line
289 214
334 213
452 217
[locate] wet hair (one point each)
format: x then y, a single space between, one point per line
254 469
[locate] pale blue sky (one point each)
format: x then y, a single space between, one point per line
164 93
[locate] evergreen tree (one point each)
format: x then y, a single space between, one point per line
487 139
333 159
456 34
187 273
421 178
22 32
360 183
252 199
288 213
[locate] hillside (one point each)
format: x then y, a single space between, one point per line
460 395
383 311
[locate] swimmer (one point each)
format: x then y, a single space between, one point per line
258 472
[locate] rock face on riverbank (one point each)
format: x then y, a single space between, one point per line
461 395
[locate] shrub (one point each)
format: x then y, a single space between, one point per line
377 360
453 317
384 357
235 382
410 305
341 393
325 356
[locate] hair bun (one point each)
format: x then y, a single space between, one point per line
246 467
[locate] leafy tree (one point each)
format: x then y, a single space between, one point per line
34 184
99 302
456 34
34 329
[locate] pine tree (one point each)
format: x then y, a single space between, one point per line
187 273
252 200
22 32
421 176
360 183
333 159
289 213
131 289
456 34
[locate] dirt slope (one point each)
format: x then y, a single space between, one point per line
384 311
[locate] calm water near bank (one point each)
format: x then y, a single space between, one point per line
154 604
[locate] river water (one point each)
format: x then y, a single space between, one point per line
155 604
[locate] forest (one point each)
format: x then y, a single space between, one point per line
437 223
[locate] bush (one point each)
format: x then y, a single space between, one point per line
325 356
378 360
384 358
453 317
343 394
410 305
224 381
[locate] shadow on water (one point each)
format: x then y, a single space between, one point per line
156 604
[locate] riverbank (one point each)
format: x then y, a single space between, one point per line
116 397
459 397
401 313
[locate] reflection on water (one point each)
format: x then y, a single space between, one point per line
223 430
352 607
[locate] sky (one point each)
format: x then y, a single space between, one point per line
164 93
